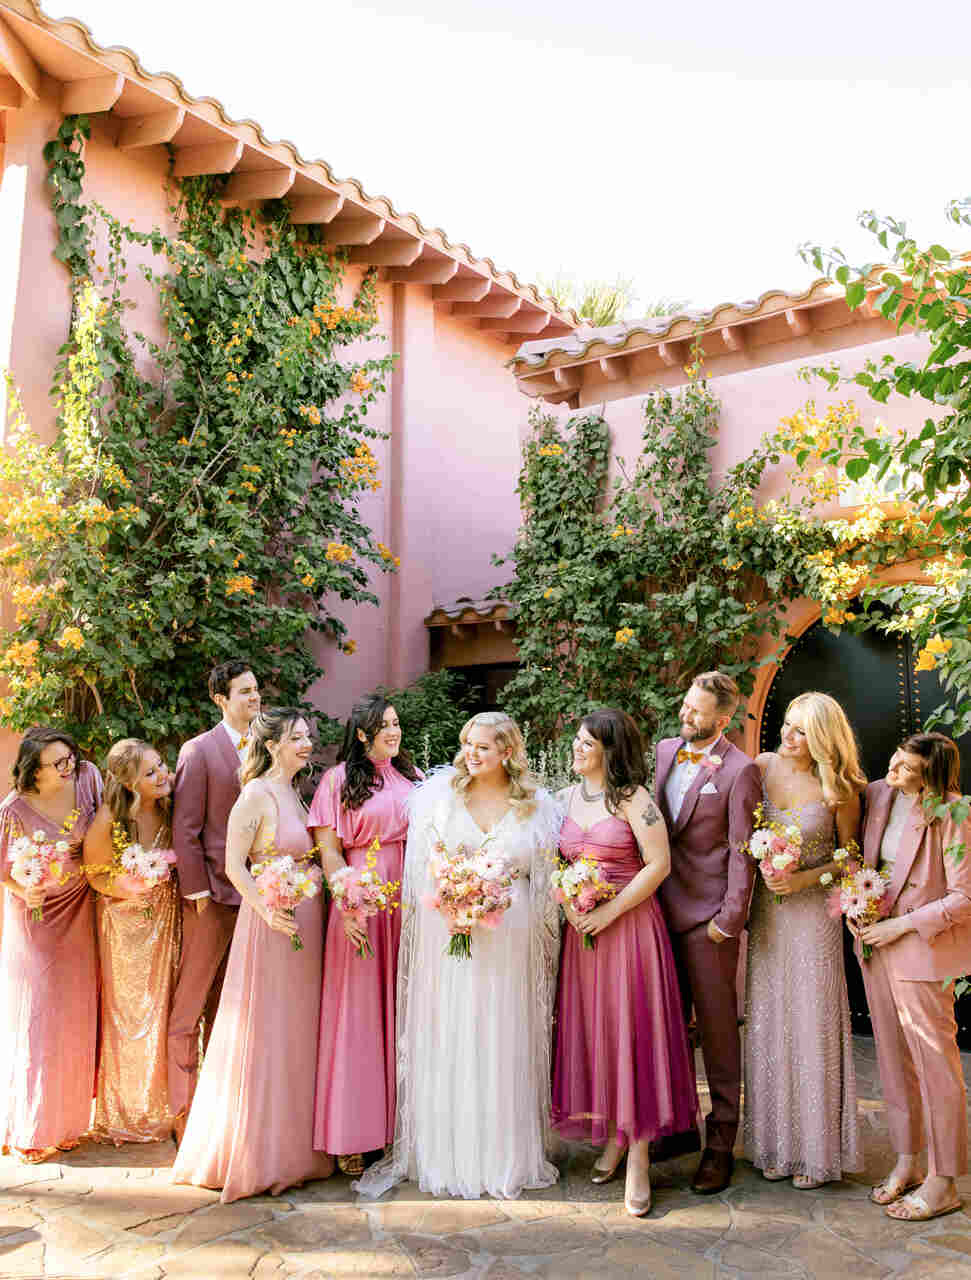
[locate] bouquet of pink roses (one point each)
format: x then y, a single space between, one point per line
283 881
38 862
581 885
360 893
472 887
861 895
776 848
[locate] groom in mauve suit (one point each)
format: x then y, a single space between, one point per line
707 791
206 788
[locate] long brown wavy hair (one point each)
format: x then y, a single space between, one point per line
623 748
361 779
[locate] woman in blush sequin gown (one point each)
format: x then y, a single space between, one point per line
622 1071
139 933
250 1126
800 1087
363 800
49 967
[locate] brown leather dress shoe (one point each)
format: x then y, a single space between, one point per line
714 1173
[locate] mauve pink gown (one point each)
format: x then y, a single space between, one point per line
621 1053
49 1003
250 1125
355 1104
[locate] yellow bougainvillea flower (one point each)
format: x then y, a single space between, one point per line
624 636
937 646
71 638
925 661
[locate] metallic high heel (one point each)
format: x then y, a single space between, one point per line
600 1176
636 1206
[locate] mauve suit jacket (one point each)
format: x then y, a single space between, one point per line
711 873
927 884
206 788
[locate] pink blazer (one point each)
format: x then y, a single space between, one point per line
711 876
206 788
929 885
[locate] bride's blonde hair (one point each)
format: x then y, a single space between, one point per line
832 746
522 783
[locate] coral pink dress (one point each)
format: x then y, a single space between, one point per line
355 1105
251 1120
621 1054
48 988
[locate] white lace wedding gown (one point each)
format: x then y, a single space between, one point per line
473 1054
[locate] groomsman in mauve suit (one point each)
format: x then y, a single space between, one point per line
707 791
206 788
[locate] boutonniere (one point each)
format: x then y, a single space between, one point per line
712 763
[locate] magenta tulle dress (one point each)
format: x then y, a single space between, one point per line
49 986
251 1120
355 1105
621 1052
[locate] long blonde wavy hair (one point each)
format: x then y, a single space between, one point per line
836 761
522 783
121 770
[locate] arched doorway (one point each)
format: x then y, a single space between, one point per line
872 676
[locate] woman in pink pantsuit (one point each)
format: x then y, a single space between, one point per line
362 800
923 944
622 1072
49 967
250 1125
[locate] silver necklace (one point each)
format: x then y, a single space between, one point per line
590 799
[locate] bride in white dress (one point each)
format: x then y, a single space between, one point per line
473 1063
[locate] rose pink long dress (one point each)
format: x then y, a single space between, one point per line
621 1053
355 1103
49 986
250 1126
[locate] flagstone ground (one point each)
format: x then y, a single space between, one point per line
102 1212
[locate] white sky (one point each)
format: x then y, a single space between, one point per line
689 145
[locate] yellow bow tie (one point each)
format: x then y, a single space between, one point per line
242 742
690 757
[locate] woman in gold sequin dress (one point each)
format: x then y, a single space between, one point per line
139 935
800 1088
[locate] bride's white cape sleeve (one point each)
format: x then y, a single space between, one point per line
420 956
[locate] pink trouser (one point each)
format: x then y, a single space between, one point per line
708 972
205 947
920 1066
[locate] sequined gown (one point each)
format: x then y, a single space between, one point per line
250 1126
138 944
48 988
800 1087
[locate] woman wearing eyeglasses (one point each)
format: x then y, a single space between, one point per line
48 957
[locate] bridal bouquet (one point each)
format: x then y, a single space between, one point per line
776 848
283 881
581 885
38 862
862 895
360 893
471 888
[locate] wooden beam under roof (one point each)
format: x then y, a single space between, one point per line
799 321
211 157
463 289
387 253
499 303
150 130
89 96
426 271
356 230
18 61
614 369
523 321
258 184
312 210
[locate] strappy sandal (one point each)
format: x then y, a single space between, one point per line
773 1175
34 1155
890 1190
352 1165
69 1146
803 1182
914 1208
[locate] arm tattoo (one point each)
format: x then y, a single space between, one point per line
651 814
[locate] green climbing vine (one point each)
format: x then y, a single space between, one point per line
202 496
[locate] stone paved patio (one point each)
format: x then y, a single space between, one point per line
103 1212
